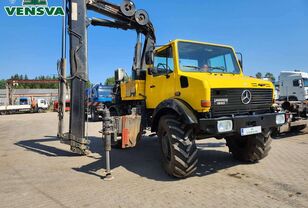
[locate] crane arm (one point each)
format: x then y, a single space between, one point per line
130 22
124 17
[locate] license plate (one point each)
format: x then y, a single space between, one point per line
251 130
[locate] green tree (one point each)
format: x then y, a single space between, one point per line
88 84
259 75
110 81
35 85
270 76
2 83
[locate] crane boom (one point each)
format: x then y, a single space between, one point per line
123 17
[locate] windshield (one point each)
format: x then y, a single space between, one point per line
104 92
305 82
195 57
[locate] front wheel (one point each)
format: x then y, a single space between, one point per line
179 150
250 148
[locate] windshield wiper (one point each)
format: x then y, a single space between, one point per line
194 67
209 67
219 68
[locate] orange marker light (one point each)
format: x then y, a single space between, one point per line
205 103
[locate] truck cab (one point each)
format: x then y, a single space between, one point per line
97 97
293 85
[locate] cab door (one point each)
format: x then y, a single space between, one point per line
160 81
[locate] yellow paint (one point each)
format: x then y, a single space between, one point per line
133 90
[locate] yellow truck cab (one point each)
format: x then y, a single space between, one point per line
194 90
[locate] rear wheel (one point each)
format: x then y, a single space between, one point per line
250 148
94 116
178 147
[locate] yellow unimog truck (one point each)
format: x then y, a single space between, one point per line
183 91
194 90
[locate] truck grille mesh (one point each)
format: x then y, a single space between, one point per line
261 102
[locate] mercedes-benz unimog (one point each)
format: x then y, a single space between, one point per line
183 91
194 90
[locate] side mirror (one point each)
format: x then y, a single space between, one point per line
149 57
152 70
300 83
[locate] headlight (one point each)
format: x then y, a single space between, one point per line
280 119
224 126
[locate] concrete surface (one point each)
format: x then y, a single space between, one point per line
37 171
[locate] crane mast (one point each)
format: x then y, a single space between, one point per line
124 16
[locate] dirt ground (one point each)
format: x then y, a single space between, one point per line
36 170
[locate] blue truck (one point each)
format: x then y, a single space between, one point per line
97 97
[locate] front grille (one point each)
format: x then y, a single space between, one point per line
261 101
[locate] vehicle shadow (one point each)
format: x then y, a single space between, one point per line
143 160
289 134
41 146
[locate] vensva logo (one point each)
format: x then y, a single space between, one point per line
34 8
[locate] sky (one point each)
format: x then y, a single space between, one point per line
272 35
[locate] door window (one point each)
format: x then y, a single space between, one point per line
296 83
163 62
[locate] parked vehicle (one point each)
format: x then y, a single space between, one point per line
97 97
293 100
25 104
184 91
56 105
293 85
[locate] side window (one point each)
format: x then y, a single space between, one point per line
296 83
163 62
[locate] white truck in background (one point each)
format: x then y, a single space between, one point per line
293 85
293 99
25 105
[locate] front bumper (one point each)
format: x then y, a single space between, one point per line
266 121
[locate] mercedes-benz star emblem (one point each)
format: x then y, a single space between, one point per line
246 97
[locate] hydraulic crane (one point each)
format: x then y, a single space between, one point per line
183 91
124 17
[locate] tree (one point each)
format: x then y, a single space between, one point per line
270 76
35 85
89 84
259 75
2 84
110 81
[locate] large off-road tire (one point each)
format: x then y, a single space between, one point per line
250 148
178 147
